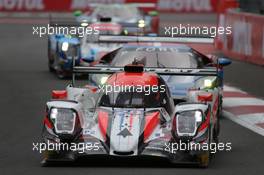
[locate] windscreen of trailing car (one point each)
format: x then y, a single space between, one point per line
158 57
117 11
131 100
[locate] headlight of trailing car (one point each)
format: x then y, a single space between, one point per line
206 83
63 119
65 46
141 23
188 122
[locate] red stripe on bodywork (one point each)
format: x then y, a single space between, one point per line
205 124
130 122
236 94
215 107
47 123
151 122
103 122
239 110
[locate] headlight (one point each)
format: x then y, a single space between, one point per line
84 24
103 80
188 122
63 119
65 46
141 23
206 83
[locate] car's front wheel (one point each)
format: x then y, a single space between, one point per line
204 158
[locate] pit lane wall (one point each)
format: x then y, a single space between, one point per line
246 43
171 6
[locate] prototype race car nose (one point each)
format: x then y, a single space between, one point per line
125 131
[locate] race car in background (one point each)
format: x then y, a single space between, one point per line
163 52
86 49
132 123
92 50
133 20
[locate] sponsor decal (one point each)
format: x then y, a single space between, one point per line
125 132
185 5
21 5
84 4
196 6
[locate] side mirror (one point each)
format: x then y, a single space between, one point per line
153 13
224 61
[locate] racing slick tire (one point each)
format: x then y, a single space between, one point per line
51 69
60 73
51 158
204 158
216 131
46 158
50 59
220 109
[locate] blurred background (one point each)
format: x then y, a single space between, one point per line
26 83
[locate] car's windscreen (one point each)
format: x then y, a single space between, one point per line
121 12
131 99
156 58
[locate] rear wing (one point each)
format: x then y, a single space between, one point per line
127 39
160 71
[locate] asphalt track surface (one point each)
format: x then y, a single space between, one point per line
25 86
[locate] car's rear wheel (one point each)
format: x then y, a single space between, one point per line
50 58
50 65
60 73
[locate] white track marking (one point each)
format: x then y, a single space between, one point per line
234 89
253 118
241 122
233 101
249 121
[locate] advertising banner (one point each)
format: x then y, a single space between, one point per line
175 6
